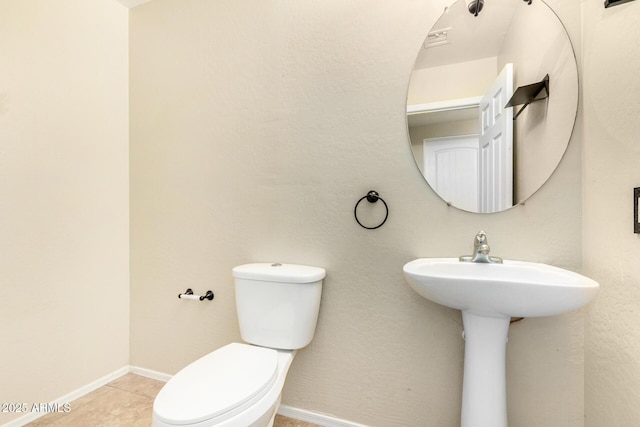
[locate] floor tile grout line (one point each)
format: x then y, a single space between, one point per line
130 391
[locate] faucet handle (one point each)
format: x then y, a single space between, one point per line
483 249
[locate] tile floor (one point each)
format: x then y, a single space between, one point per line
125 402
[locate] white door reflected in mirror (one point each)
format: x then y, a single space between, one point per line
475 172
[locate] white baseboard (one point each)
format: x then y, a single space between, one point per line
154 375
70 397
315 418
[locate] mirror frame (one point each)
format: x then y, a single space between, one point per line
570 128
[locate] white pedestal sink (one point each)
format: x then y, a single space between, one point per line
489 295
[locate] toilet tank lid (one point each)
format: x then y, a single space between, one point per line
277 272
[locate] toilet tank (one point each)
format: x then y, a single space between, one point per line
278 304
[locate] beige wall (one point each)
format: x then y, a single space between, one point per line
256 126
448 82
64 286
611 158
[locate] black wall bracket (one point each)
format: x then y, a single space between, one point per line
609 3
636 200
528 94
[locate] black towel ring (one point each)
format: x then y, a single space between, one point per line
372 197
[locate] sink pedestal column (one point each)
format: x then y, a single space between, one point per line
484 397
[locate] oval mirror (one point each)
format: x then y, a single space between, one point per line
492 103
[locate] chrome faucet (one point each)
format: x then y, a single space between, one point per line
481 251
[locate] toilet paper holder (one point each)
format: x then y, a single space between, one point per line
188 294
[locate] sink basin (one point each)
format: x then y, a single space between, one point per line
512 289
489 295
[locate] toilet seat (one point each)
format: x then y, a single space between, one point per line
217 386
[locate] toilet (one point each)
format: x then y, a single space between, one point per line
240 385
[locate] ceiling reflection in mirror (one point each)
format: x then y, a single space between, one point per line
465 141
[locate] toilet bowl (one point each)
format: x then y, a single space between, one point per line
240 385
